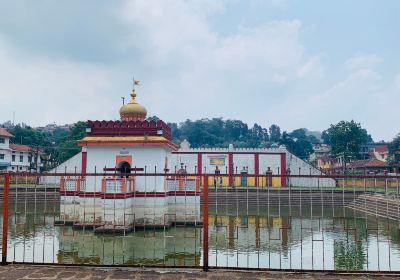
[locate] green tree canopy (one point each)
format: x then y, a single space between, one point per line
346 138
28 136
298 143
68 146
394 151
274 133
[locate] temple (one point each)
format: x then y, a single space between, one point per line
119 198
132 159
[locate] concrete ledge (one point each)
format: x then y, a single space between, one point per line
17 271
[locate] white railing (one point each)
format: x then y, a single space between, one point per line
72 184
113 186
181 184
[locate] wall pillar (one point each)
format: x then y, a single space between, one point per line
199 163
283 170
256 168
230 168
84 161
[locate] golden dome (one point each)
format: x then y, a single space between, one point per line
133 111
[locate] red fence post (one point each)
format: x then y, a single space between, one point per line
5 219
205 224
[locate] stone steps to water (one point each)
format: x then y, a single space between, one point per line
377 205
281 198
271 197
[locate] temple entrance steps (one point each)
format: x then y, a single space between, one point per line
378 205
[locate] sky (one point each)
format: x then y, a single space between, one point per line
292 63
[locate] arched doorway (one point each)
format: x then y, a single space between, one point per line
124 168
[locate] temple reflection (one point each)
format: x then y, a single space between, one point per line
246 237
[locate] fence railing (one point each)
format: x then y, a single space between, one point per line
308 222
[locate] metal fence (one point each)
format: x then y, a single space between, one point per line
337 223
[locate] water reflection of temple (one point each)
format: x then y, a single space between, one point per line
350 239
175 247
255 232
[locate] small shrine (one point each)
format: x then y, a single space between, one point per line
124 195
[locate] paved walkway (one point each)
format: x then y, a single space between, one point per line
11 272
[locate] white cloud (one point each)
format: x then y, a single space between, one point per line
258 69
42 90
361 96
360 61
313 68
196 66
272 46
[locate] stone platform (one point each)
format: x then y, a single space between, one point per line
11 272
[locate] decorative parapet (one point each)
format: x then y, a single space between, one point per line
72 184
183 183
235 150
113 184
129 128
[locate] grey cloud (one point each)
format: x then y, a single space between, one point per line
73 29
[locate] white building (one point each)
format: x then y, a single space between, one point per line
110 188
15 157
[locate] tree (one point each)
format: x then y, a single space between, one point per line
68 146
153 118
204 132
235 130
325 137
274 133
394 152
176 133
257 135
298 143
346 138
37 140
28 136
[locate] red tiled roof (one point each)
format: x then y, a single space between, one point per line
20 148
4 132
381 149
367 163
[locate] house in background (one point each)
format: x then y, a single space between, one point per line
320 151
369 166
367 150
375 161
375 156
16 157
380 153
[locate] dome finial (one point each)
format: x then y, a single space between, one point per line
133 110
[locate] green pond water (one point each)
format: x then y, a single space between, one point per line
239 236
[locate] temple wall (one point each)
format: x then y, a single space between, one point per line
72 165
150 158
271 161
298 166
151 210
184 208
245 159
91 209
